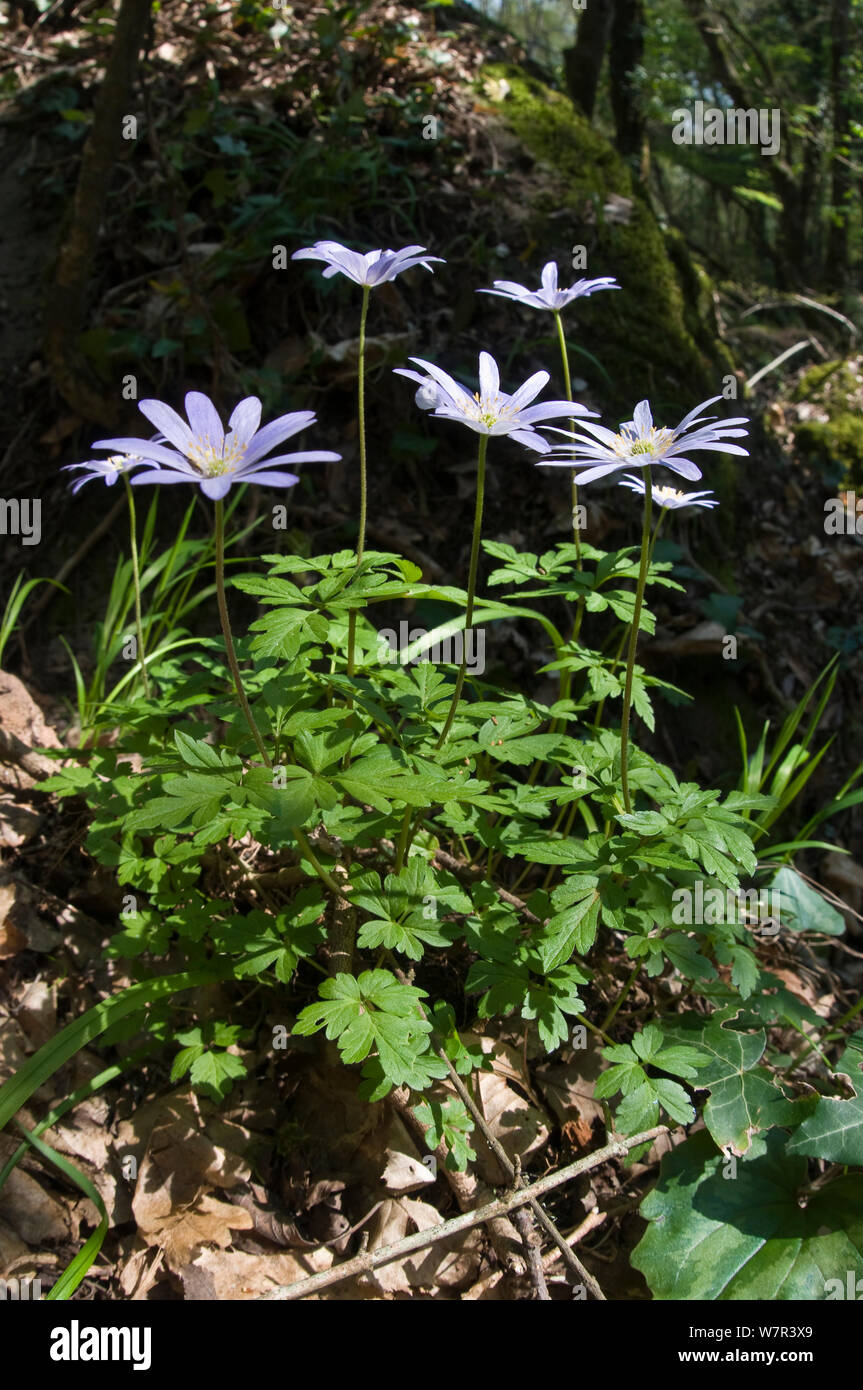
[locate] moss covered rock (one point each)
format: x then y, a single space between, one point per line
654 338
828 431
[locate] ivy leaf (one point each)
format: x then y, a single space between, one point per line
801 908
714 1236
744 1098
834 1131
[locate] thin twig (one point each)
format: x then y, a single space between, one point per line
421 1240
530 1241
502 1157
590 1223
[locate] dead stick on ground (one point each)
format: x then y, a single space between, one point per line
514 1175
421 1240
530 1241
545 1221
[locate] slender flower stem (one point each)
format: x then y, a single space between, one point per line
657 528
567 381
361 422
133 539
471 584
228 636
613 1011
655 537
300 836
566 676
633 638
402 847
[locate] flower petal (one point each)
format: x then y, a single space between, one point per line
685 467
306 456
245 420
528 389
168 423
531 440
165 475
146 451
489 376
693 414
204 421
276 433
456 393
508 287
550 410
273 479
642 418
217 488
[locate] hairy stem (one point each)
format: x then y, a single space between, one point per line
633 638
361 424
567 381
300 836
471 584
228 636
613 1011
133 544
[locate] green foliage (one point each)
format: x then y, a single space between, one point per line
372 1011
204 1055
742 1232
448 1123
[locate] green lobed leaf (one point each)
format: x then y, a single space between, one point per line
728 1229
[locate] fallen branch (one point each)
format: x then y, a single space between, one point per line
545 1221
777 361
421 1240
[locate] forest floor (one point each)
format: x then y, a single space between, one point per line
294 1171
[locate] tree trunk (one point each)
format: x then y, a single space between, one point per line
625 57
780 167
582 63
840 182
66 307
